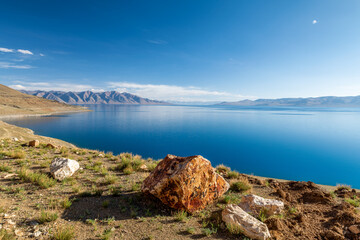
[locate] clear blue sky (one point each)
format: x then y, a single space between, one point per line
183 50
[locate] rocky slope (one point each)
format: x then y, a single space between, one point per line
103 200
8 131
13 102
89 97
301 102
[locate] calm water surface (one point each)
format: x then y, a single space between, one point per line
320 145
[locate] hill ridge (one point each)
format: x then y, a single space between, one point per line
326 101
91 97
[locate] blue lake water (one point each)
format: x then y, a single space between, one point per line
309 144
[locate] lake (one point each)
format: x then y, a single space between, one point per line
308 144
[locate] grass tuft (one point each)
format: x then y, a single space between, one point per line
39 179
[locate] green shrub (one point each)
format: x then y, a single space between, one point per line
240 186
5 168
37 178
181 216
47 217
232 174
222 169
353 202
110 179
234 229
63 233
66 203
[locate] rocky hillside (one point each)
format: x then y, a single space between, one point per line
127 197
13 102
301 102
89 97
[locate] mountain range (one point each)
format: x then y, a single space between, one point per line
89 97
301 102
13 102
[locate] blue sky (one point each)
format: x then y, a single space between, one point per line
183 50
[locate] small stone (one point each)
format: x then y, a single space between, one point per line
34 143
101 155
144 168
49 145
62 168
281 193
10 175
33 223
19 233
15 139
355 229
11 222
37 234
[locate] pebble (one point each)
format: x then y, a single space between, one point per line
11 222
19 233
37 234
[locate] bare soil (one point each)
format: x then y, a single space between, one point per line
102 202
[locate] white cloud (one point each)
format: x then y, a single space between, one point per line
49 86
25 51
157 41
42 55
174 93
11 65
7 50
170 93
314 21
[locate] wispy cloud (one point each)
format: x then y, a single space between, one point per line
42 55
12 65
6 50
171 93
314 21
49 86
174 93
157 41
25 51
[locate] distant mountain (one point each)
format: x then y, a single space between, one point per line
301 102
89 97
13 102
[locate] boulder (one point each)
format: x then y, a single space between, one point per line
236 218
186 183
34 143
62 168
254 204
49 145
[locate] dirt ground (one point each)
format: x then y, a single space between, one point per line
103 201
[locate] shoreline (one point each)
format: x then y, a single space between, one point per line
12 116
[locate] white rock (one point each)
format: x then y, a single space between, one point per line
11 222
253 204
37 234
101 155
15 139
234 216
10 175
62 168
19 233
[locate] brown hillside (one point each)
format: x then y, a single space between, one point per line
13 102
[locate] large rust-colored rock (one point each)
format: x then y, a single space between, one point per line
186 183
